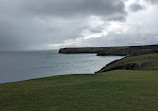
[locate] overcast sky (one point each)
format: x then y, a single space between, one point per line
52 24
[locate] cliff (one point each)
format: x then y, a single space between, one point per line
104 51
123 51
80 50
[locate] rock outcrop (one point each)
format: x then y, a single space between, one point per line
129 66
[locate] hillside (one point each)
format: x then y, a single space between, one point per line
134 62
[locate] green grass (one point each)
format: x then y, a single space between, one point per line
146 62
118 90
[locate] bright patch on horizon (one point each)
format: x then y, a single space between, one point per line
88 35
95 29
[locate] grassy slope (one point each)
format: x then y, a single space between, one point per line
146 62
109 91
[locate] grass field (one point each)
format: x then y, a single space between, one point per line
118 90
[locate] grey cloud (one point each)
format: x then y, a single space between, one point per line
26 33
152 1
136 7
72 8
33 24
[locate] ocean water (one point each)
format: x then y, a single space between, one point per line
23 65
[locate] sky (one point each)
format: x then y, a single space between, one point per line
53 24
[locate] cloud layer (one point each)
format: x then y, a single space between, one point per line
48 24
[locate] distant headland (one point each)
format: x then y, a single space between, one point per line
104 51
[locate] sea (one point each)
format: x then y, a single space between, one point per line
24 65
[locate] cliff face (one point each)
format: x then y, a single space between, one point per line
123 51
80 50
143 52
104 51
